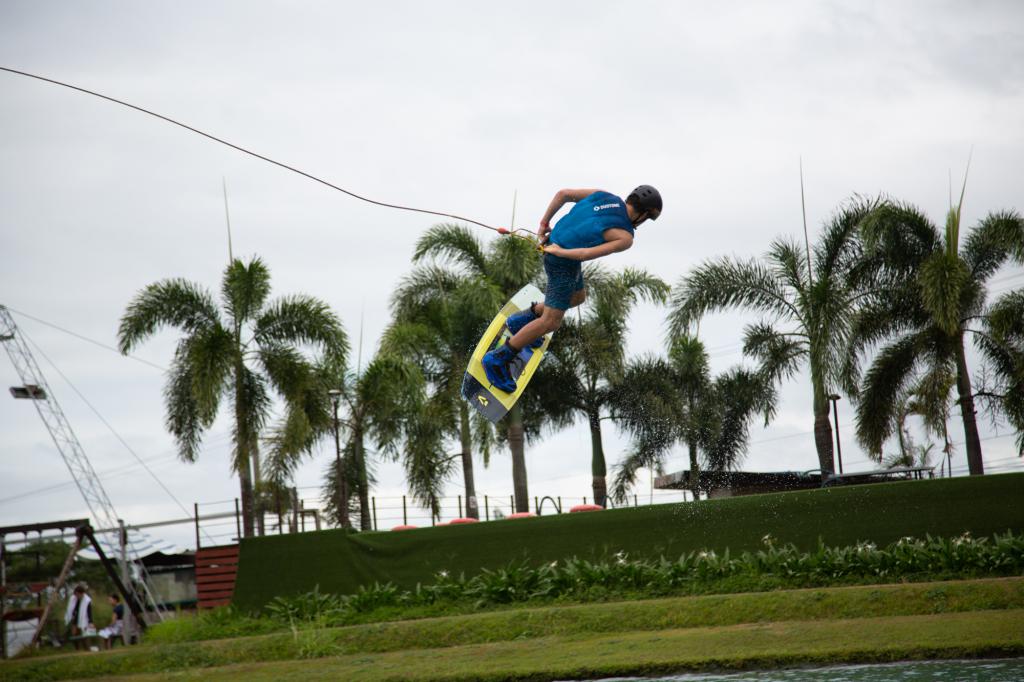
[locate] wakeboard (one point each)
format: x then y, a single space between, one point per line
488 400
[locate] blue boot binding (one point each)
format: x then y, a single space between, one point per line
496 364
517 321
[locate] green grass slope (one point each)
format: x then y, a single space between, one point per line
765 645
340 562
715 619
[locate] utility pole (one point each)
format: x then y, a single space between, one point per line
835 398
342 479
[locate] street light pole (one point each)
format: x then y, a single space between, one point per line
835 415
342 480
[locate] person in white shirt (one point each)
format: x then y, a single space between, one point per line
78 616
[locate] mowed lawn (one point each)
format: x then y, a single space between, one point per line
829 625
762 645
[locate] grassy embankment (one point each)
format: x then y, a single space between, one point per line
877 623
340 563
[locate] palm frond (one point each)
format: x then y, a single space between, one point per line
839 250
997 238
245 288
427 467
643 456
425 285
942 281
454 243
512 263
210 355
184 418
778 353
888 377
301 319
727 284
789 263
901 235
290 374
174 302
740 396
252 407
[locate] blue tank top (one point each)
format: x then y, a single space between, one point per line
585 224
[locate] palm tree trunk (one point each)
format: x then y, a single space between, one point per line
975 465
254 456
515 445
466 437
694 470
242 441
823 434
598 469
365 521
245 486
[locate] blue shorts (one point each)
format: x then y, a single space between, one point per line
565 278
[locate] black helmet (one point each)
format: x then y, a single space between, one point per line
646 198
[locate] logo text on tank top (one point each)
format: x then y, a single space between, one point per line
604 206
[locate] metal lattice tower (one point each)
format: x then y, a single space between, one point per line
71 451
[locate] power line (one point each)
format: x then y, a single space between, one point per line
86 338
107 424
165 457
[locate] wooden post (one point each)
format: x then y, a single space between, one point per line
487 509
61 579
405 515
374 499
512 504
460 506
559 504
536 506
635 503
130 597
238 523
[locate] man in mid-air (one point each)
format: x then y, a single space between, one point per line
599 224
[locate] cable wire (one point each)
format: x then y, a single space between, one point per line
499 230
85 338
107 424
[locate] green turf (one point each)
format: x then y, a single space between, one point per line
960 635
339 562
653 616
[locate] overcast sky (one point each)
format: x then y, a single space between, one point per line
453 106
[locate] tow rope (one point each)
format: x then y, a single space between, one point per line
514 232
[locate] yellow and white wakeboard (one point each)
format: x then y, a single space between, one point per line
490 401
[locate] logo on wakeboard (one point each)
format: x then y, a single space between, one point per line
483 400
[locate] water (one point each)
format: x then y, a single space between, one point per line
1004 670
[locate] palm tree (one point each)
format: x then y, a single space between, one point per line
243 353
935 292
662 402
438 316
495 273
810 298
380 412
1002 345
587 357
